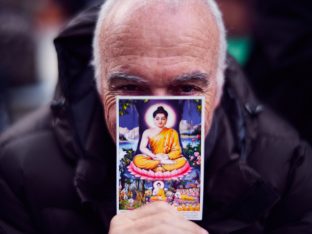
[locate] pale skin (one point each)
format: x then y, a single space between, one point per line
156 217
150 48
160 121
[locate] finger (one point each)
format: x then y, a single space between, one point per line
179 223
170 230
120 223
151 209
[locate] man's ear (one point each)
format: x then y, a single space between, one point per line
220 82
218 97
99 90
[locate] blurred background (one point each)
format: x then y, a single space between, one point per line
271 39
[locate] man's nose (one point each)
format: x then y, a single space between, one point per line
160 92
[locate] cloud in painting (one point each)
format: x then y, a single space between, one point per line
187 128
130 135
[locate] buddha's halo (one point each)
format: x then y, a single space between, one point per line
149 115
162 184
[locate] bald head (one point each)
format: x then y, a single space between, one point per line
116 12
159 47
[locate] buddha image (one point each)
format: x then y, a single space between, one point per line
159 191
160 154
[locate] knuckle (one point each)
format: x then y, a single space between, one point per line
163 218
161 205
202 231
114 221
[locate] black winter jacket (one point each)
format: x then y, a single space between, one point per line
57 167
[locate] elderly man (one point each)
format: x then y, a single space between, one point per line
57 168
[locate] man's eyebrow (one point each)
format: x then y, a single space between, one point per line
193 77
122 76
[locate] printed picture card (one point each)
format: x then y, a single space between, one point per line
160 143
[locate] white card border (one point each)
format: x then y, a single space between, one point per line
186 214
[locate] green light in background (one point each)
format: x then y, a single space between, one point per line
239 48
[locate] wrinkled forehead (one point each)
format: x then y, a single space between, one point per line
158 23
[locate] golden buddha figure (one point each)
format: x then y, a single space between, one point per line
159 192
160 147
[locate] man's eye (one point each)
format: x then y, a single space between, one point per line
129 88
188 88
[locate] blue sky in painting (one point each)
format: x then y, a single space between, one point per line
130 120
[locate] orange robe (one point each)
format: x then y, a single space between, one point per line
159 196
166 142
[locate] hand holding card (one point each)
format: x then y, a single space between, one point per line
157 217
